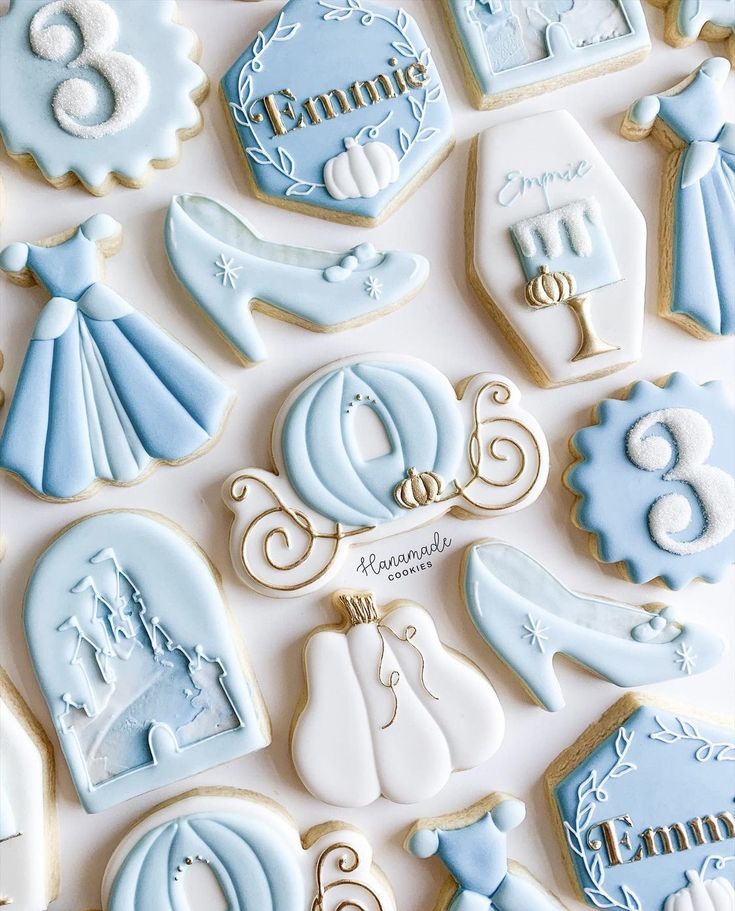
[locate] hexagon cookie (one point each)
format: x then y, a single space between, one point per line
556 249
339 109
642 805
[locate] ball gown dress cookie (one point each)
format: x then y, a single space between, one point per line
710 20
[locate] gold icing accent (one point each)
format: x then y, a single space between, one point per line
394 678
418 489
347 863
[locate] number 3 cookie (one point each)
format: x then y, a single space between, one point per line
98 91
654 481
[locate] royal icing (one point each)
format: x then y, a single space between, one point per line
515 48
389 709
527 617
239 850
552 225
103 393
230 271
473 846
370 446
672 450
687 20
697 271
112 87
339 108
129 636
29 878
643 802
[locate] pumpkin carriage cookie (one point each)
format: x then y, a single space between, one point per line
131 642
556 248
512 49
687 20
696 286
472 843
654 481
374 445
29 843
339 109
642 807
253 855
98 91
388 708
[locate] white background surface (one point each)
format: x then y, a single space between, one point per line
446 325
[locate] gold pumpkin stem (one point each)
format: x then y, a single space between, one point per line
358 607
590 342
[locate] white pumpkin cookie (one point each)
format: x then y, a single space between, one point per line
389 710
29 840
374 445
221 847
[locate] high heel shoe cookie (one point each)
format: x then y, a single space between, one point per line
527 617
229 270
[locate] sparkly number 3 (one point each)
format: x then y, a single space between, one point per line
713 487
76 98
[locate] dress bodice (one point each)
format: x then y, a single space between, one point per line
475 855
696 113
67 269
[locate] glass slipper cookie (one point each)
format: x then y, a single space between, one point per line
472 843
230 271
687 20
339 109
388 709
103 393
642 809
527 617
370 446
222 847
550 224
697 267
512 49
29 838
654 481
98 91
130 638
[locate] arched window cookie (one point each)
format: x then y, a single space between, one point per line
131 642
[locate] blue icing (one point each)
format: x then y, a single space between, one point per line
102 390
527 617
130 642
510 44
418 410
658 768
621 523
156 79
694 14
226 267
254 869
316 47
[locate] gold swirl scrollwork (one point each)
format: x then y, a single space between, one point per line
279 525
501 448
394 676
346 863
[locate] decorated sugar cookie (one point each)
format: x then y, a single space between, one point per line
388 708
221 847
130 638
654 480
370 446
29 848
642 806
230 271
697 268
103 393
556 248
472 845
527 616
98 91
710 20
512 49
339 109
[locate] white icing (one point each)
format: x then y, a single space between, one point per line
391 711
77 99
362 171
548 226
714 488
